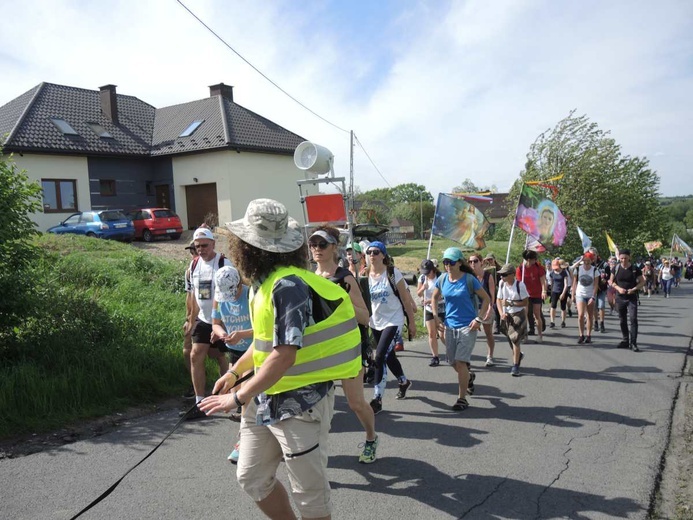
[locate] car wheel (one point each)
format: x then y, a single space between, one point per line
175 236
147 236
92 235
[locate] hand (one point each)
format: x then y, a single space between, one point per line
224 384
412 328
217 403
474 325
504 316
233 338
186 327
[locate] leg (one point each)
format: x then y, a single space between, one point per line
536 308
187 351
633 319
590 317
581 316
432 337
353 390
220 357
462 378
197 359
384 339
622 307
490 340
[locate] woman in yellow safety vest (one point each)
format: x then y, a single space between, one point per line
305 337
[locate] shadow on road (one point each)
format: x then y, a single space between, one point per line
480 496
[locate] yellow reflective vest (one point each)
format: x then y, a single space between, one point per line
331 348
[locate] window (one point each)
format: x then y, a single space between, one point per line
107 188
59 195
64 126
191 128
100 130
149 188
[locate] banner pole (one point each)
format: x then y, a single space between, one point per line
512 230
671 251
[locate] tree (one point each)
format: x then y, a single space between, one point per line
410 192
468 186
403 201
601 189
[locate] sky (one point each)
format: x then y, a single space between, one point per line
435 91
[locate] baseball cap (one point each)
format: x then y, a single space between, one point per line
453 253
426 266
507 269
203 233
355 246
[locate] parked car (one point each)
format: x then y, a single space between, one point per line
107 223
155 222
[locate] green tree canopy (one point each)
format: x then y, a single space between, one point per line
468 186
601 189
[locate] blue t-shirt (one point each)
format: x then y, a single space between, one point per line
235 315
459 304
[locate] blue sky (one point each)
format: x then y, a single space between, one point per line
437 91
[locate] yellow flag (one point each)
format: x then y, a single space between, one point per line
612 246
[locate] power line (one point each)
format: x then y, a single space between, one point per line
258 70
371 160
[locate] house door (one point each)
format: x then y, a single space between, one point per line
162 196
202 205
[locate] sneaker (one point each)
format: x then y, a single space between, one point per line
634 347
563 324
553 325
377 405
368 454
489 362
460 404
470 386
194 413
522 356
190 394
588 339
623 344
515 370
399 346
403 389
602 329
435 361
233 457
581 340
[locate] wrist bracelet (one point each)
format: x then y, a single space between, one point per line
234 373
238 401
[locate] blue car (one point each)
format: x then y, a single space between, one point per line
107 223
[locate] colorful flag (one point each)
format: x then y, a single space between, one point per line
586 241
460 221
540 218
651 246
532 244
612 246
679 245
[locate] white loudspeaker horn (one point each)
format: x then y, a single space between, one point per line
313 158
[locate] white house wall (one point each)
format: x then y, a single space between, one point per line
240 178
56 167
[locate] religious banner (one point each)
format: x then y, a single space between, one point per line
651 246
612 245
540 218
679 245
460 221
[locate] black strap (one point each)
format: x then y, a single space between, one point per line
305 452
117 482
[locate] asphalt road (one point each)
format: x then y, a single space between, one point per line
580 435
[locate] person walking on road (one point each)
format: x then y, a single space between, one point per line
585 293
666 277
458 285
390 302
433 318
533 274
627 280
560 286
488 282
324 246
512 302
305 337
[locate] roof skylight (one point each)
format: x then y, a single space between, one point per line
64 126
100 130
191 128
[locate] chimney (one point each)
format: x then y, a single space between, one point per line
109 102
225 91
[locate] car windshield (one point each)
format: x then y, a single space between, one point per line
164 213
109 216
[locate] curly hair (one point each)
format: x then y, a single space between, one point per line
255 264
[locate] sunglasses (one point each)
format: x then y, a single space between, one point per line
373 252
505 275
318 245
449 262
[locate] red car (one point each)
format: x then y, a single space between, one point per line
153 222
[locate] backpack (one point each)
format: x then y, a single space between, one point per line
517 286
470 288
193 264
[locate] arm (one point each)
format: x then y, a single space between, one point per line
409 305
360 308
485 308
236 336
492 297
542 280
218 329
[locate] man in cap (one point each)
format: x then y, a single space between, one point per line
603 274
305 337
357 263
627 280
202 271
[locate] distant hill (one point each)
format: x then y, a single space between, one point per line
666 201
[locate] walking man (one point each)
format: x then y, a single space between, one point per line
627 280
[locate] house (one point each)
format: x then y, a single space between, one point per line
91 150
402 227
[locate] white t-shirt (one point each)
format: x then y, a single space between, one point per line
585 282
666 273
430 284
387 309
203 285
511 293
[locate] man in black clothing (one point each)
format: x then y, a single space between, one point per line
627 280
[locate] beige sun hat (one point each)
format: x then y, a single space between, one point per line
268 226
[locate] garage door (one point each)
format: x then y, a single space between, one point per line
202 204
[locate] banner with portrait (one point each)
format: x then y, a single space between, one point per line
540 218
679 245
651 246
458 220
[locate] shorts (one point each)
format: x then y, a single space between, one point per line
535 301
429 316
459 344
601 300
583 299
302 442
235 355
555 298
202 333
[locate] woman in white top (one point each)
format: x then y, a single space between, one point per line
666 277
512 301
585 294
433 318
387 320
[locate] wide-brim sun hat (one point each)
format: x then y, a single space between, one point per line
226 282
268 226
507 269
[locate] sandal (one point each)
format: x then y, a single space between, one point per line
460 404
